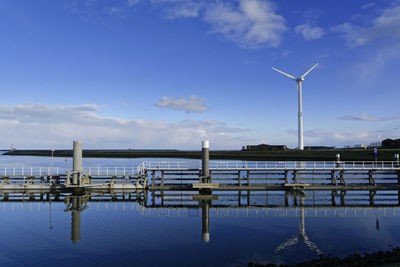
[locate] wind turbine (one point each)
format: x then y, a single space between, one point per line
300 116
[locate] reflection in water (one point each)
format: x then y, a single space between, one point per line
206 200
75 204
302 233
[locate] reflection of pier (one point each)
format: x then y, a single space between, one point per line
260 203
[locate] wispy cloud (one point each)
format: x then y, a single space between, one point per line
341 138
361 117
249 23
190 104
368 5
42 126
252 23
179 8
383 28
308 32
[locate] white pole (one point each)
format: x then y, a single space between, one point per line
51 169
300 117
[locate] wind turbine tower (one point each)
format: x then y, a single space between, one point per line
300 115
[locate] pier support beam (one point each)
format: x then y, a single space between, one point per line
77 163
205 157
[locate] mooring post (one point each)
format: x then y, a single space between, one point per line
205 157
337 160
77 163
397 159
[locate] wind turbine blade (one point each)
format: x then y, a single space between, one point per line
304 75
288 75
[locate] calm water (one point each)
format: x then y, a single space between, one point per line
155 229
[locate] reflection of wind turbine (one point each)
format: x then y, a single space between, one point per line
302 235
300 115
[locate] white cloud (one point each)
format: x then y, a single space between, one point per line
44 126
133 2
368 5
383 28
361 117
191 104
308 32
179 8
341 138
252 23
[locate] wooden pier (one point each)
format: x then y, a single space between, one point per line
229 176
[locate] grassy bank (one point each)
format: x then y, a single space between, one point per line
306 155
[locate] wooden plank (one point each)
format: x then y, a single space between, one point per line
205 185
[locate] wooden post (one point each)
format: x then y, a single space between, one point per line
370 177
294 177
286 178
162 178
341 174
153 178
333 180
239 180
248 178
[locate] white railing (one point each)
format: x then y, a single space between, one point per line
31 171
214 165
278 165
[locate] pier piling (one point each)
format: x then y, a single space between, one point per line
77 163
205 156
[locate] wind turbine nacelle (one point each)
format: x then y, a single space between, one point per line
300 79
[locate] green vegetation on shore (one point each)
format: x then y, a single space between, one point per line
281 155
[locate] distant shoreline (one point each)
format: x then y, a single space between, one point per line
281 155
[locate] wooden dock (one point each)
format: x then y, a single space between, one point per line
230 176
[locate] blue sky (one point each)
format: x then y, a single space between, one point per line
170 73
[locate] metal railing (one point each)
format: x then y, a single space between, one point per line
214 165
31 171
278 165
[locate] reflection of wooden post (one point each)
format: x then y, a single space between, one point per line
286 199
248 178
205 220
342 194
76 220
239 180
398 196
371 197
333 195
